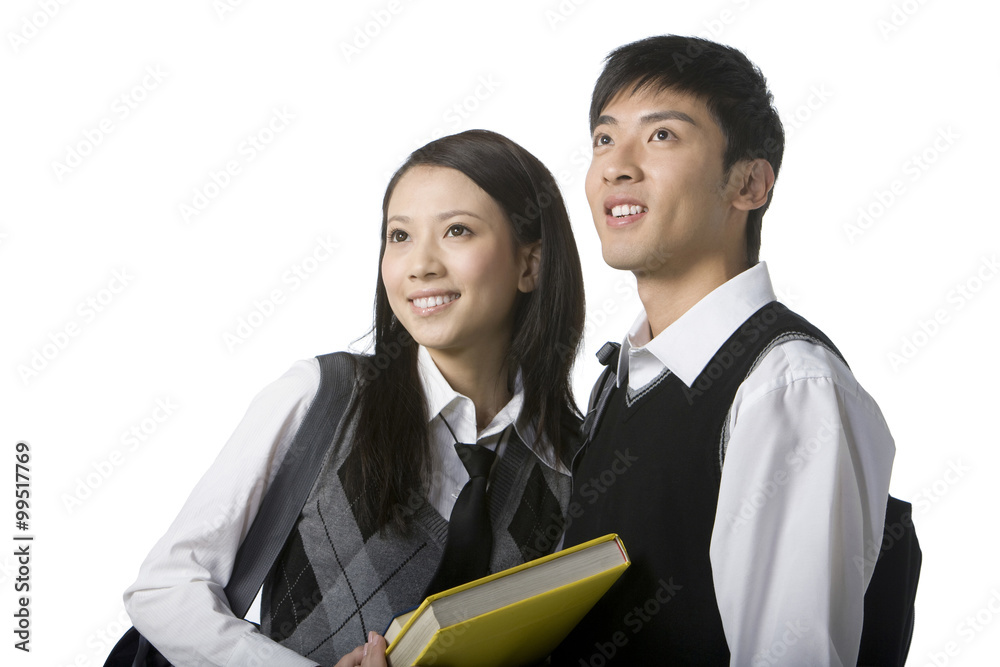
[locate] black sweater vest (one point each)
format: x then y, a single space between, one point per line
651 474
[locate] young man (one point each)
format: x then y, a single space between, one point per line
744 467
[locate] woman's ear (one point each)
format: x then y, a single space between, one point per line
530 257
756 180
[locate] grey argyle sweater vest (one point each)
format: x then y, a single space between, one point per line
333 582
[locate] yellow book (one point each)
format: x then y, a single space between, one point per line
515 617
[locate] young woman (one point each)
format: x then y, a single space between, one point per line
478 310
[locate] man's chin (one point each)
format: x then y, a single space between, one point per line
629 261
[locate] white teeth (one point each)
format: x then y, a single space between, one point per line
625 209
431 301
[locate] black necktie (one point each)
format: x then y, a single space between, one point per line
470 535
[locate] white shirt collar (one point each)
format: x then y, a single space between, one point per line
460 411
686 346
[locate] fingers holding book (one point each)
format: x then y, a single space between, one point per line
369 654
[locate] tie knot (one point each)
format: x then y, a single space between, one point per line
477 459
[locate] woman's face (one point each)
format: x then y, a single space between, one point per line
451 269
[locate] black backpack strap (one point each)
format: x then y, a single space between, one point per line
599 395
281 505
892 592
284 499
889 600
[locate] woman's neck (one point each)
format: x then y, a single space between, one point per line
483 378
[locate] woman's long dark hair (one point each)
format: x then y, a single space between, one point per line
383 474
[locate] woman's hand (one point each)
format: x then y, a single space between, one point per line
370 654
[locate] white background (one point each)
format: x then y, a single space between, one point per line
860 97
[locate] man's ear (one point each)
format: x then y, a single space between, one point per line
756 178
530 257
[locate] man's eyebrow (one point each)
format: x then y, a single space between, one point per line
606 120
654 117
658 116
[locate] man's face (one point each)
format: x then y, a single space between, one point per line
656 187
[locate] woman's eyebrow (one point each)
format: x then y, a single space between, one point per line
444 215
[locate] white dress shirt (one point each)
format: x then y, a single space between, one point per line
449 475
804 483
177 600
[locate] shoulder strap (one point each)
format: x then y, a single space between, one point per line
280 507
608 356
284 499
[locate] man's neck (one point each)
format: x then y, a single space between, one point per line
667 295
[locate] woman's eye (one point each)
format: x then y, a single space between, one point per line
457 230
663 135
397 236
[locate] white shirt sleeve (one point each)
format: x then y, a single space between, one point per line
801 510
177 602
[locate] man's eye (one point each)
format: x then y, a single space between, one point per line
663 135
602 140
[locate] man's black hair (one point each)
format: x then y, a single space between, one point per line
732 87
